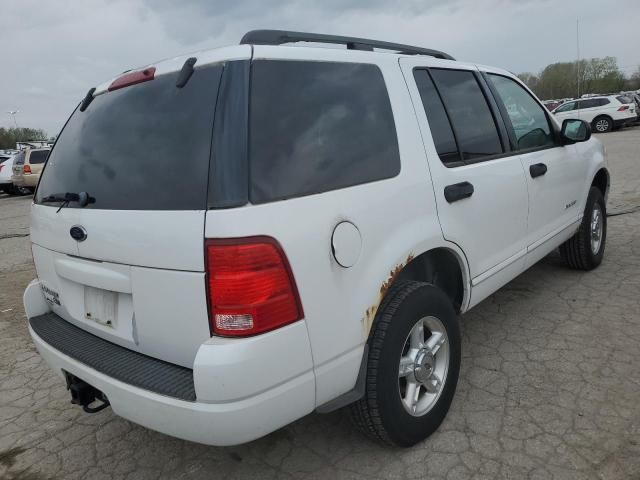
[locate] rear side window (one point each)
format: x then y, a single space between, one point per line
600 102
38 156
143 147
468 110
318 126
441 131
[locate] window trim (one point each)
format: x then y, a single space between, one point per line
552 125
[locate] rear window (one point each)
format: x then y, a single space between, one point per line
624 99
143 147
318 126
19 160
2 159
38 156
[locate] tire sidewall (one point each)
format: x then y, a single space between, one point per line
405 429
595 197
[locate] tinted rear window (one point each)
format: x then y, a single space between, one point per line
2 159
624 99
144 147
38 156
473 123
19 160
318 126
439 124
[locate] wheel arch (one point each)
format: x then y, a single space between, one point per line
602 181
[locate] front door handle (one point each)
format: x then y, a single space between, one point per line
537 170
458 191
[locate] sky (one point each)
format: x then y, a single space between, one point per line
52 52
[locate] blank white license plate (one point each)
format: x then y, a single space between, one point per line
100 306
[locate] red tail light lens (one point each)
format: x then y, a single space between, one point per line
250 286
623 108
26 169
133 78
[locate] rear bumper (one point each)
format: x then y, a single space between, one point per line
220 371
30 180
624 122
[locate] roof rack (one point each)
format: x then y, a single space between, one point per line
278 37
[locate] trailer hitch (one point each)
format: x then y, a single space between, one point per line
84 394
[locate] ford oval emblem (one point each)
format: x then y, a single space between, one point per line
78 233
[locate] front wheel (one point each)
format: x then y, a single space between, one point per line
413 365
584 251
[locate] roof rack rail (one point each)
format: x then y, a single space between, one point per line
278 37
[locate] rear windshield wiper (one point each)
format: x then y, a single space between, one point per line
83 199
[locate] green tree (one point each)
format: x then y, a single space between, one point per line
10 136
572 79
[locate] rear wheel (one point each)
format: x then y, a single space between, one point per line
413 365
585 249
602 124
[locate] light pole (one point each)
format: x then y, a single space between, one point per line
13 114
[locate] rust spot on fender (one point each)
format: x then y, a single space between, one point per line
393 274
370 313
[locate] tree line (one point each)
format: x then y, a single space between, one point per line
10 136
573 79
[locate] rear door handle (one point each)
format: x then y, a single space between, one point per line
458 191
537 170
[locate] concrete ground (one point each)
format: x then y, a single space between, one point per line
549 387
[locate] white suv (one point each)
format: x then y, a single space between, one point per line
330 215
602 113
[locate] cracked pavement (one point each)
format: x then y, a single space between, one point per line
549 386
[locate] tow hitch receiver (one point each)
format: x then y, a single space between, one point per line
84 394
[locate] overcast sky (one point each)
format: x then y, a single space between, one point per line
52 52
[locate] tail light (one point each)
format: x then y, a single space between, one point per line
1 166
250 286
623 108
26 169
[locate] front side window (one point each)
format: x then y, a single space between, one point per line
318 126
468 110
528 117
566 107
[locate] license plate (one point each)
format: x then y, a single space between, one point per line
100 306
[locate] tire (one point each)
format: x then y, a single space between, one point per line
20 191
381 413
579 252
602 124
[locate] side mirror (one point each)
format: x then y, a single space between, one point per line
575 131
